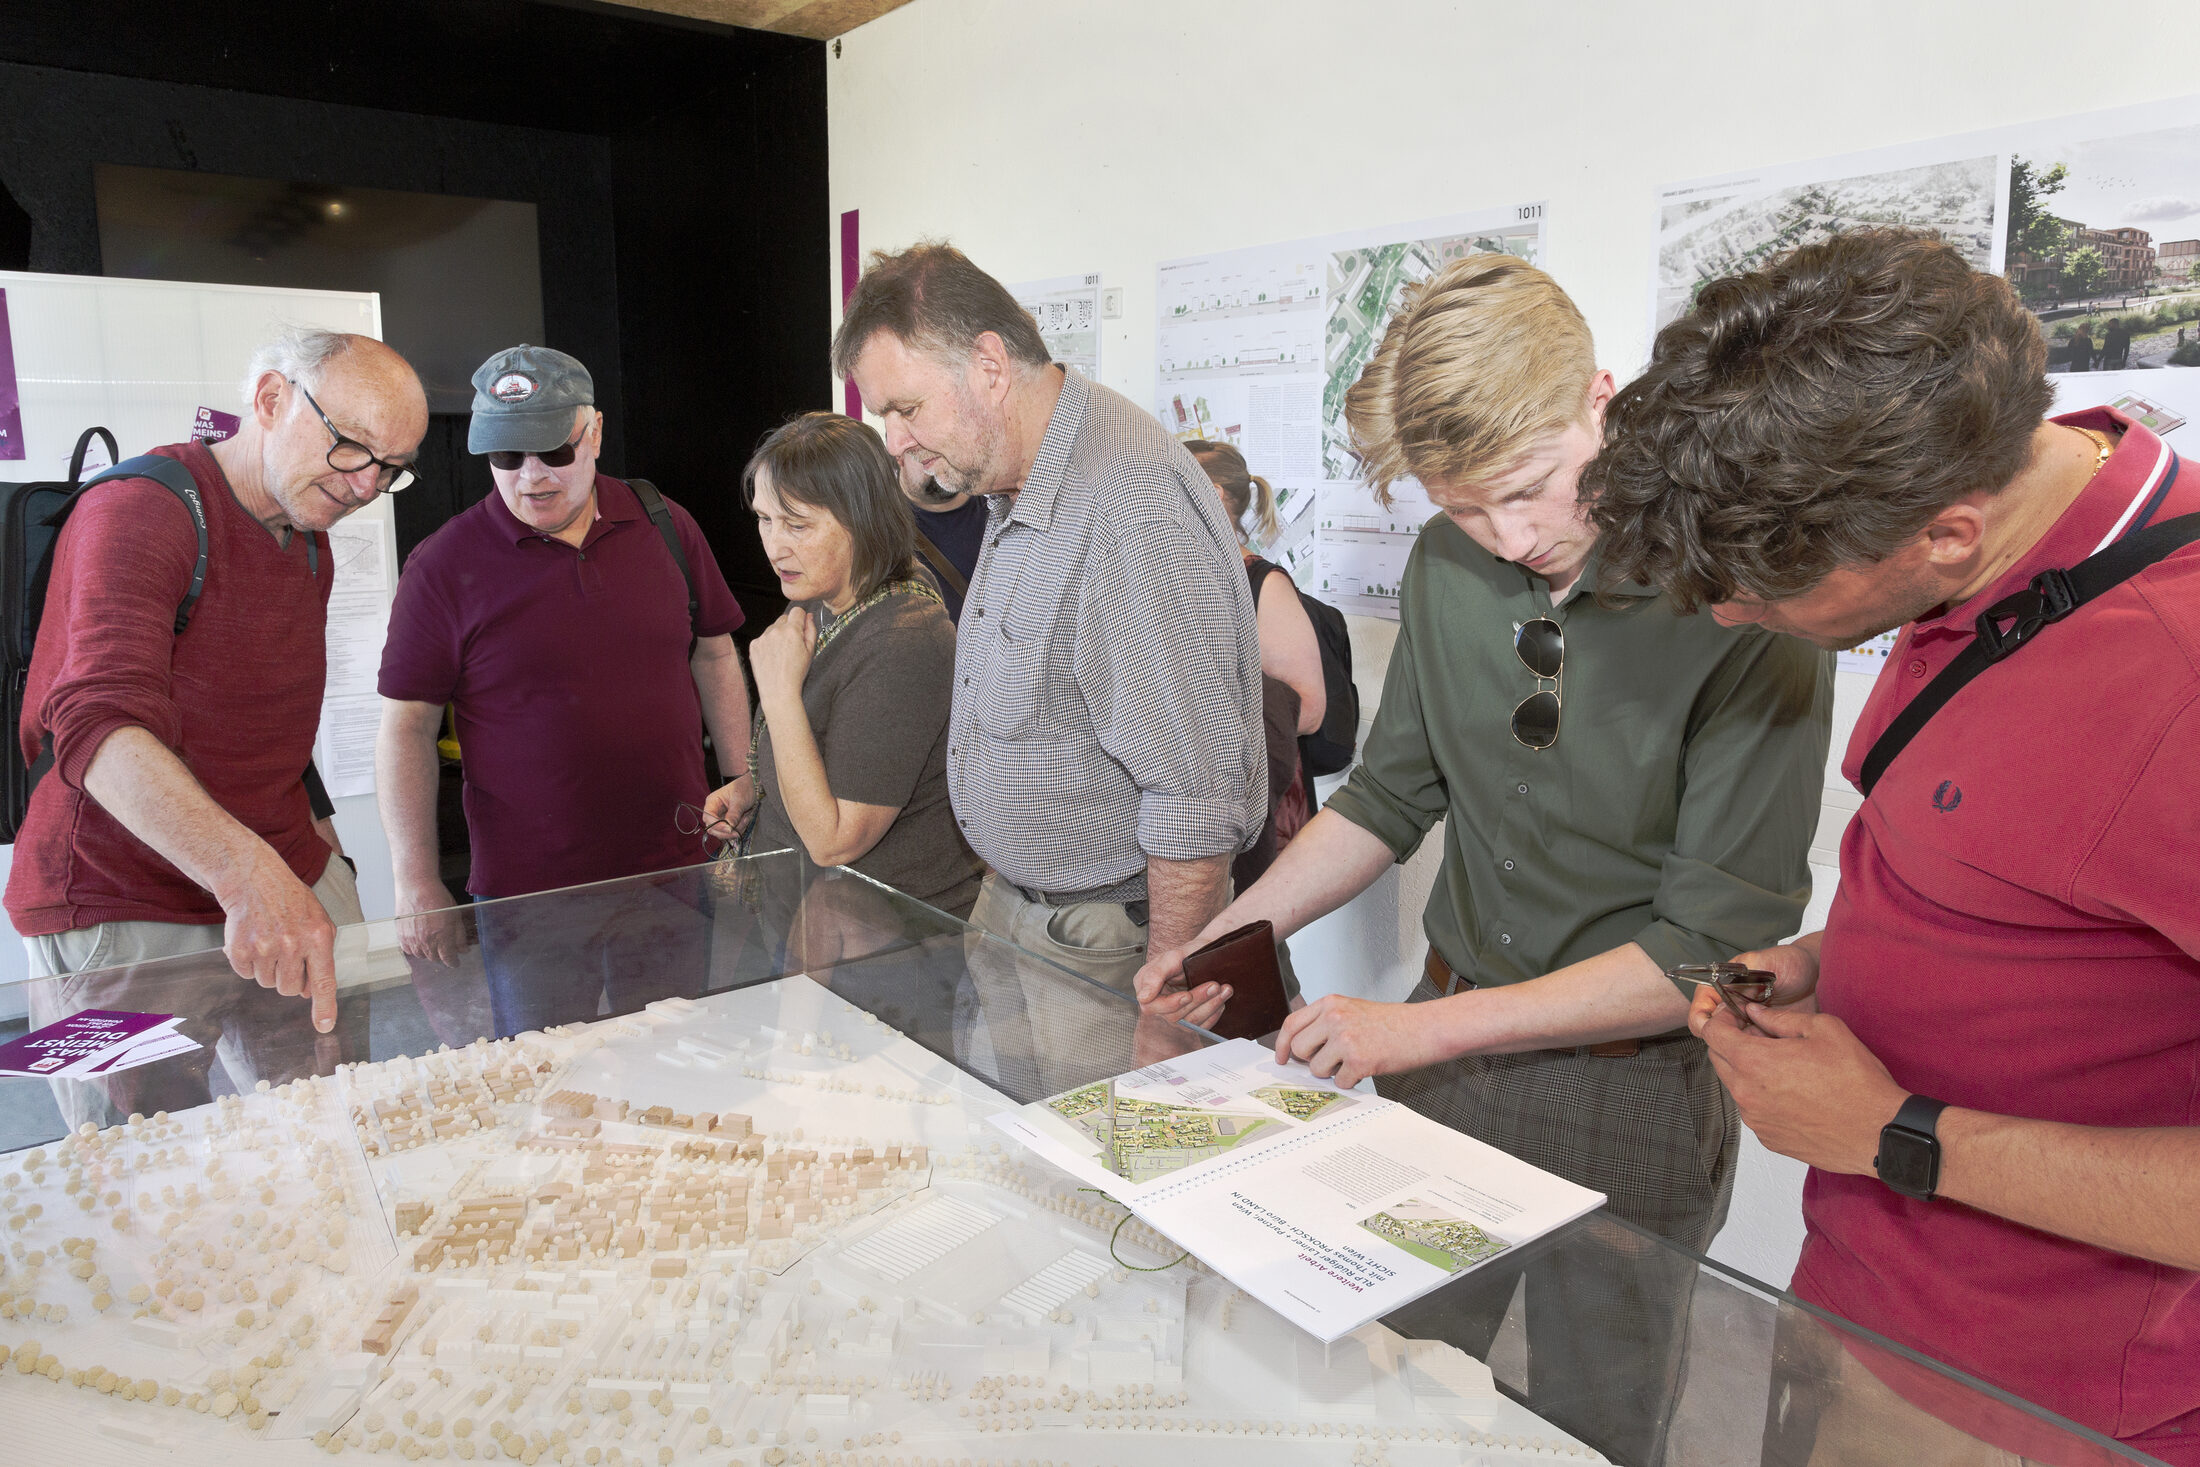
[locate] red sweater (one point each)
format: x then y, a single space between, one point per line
237 696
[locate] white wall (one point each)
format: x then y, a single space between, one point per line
1076 135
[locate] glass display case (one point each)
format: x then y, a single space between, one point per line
696 1168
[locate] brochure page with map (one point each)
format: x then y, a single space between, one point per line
1330 1206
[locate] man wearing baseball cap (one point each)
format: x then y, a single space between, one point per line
583 660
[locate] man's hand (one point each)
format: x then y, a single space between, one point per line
1162 994
1808 1087
426 927
279 936
780 657
1797 969
728 808
1349 1039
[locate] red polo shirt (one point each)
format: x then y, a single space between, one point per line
2017 931
577 713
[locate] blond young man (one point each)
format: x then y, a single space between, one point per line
1622 790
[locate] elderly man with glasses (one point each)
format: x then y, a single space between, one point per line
1622 791
175 818
580 629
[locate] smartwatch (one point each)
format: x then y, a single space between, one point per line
1909 1148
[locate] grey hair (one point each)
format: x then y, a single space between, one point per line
298 353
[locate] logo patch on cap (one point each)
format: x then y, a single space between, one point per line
514 387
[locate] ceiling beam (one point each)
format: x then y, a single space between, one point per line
818 19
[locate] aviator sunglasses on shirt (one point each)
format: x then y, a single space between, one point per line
1541 647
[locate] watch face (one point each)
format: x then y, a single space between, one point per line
1908 1162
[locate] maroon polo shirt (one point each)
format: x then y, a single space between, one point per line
577 713
2017 931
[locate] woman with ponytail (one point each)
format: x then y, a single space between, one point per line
1293 695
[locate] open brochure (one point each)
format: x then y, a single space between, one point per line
1330 1206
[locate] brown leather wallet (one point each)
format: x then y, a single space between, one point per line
1446 983
1245 960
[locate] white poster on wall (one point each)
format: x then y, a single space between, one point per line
2095 219
1257 347
1067 309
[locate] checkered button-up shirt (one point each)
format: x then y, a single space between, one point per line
1107 667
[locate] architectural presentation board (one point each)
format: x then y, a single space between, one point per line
1329 1206
763 1228
1067 309
2095 219
1257 348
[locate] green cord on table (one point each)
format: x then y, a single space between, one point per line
1120 1261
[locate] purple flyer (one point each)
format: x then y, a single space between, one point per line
79 1037
11 400
212 425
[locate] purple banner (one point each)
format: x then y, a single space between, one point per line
851 270
11 401
212 425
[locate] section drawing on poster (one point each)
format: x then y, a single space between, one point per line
1257 348
2094 219
1067 309
1361 573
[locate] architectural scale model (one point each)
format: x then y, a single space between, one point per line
762 1230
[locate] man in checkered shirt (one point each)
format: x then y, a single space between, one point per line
1105 753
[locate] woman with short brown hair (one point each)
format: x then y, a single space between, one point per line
853 684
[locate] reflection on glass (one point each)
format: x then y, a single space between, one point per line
719 1136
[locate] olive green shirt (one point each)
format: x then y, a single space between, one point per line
1675 811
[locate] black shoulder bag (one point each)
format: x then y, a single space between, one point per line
2015 620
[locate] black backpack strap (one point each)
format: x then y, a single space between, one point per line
83 442
177 479
2015 620
660 515
941 565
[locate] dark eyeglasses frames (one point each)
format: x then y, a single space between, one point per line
1541 647
556 458
348 457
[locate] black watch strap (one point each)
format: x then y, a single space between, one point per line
1909 1148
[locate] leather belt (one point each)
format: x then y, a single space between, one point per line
1447 983
1134 907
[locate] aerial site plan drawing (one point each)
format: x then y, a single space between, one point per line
1257 347
1143 1139
1299 1102
1433 1235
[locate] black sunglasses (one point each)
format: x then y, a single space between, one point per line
1541 647
349 457
557 458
